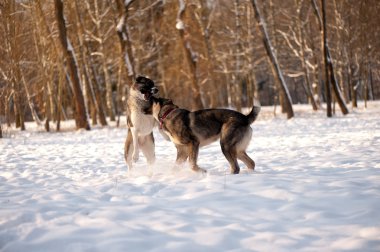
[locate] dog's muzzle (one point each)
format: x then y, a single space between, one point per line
154 90
151 93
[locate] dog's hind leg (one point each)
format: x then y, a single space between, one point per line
230 154
229 141
128 149
243 156
135 152
146 144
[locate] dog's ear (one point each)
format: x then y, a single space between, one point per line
144 80
140 79
150 82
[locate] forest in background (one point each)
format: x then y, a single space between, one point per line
76 58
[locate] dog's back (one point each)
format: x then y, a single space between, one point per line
207 125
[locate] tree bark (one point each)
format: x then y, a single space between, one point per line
335 85
126 60
81 118
111 110
91 83
326 59
301 35
13 52
126 56
205 25
330 79
274 62
192 62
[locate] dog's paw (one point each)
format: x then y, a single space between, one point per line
198 169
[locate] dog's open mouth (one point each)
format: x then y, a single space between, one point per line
147 96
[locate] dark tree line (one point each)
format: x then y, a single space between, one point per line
77 58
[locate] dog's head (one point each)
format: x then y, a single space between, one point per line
158 105
145 88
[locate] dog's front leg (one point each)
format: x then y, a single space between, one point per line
135 135
182 153
193 156
128 145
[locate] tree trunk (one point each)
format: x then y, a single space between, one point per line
329 71
205 24
90 83
335 85
326 59
101 39
59 99
30 101
192 62
301 34
12 49
81 118
126 60
237 84
274 62
126 56
279 96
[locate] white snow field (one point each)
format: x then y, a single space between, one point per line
316 187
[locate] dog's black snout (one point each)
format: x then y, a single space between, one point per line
154 90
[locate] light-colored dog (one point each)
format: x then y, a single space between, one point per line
140 121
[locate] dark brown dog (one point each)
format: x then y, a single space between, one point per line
191 130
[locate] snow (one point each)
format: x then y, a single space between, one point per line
120 24
180 25
315 188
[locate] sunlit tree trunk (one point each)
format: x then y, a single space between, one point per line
330 79
13 52
274 62
81 119
205 25
91 83
126 56
126 71
97 35
189 55
301 35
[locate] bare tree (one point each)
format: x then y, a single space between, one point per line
223 53
296 41
81 119
126 59
205 17
91 82
329 69
13 53
273 59
97 10
190 56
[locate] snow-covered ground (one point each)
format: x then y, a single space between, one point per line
316 187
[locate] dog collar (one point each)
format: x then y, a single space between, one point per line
167 112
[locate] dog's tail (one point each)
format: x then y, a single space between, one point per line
254 112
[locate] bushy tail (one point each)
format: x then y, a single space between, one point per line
254 112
